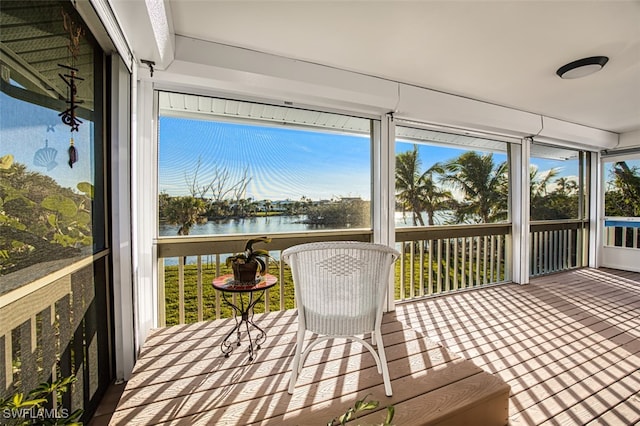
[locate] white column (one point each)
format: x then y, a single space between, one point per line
123 326
384 183
144 209
520 199
596 210
384 191
124 341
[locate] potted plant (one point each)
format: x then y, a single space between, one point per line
251 262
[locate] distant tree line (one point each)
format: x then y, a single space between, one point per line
42 221
470 188
482 186
220 196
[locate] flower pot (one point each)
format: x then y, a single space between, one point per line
245 272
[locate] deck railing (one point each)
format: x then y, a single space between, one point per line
435 260
187 267
622 232
440 259
55 327
558 246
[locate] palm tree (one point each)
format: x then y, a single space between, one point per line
559 203
539 183
624 198
185 212
418 191
566 186
483 185
435 198
408 183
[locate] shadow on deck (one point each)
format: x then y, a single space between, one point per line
565 349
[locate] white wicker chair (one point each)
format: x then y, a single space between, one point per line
340 290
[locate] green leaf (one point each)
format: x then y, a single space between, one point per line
61 204
75 415
64 240
262 266
358 404
53 220
369 405
391 410
86 188
250 243
33 402
17 399
42 389
261 252
83 218
10 221
12 194
346 416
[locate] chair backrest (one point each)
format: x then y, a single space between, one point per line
340 285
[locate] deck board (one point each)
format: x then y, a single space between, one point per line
568 345
561 335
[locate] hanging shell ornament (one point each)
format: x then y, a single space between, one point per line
46 157
73 154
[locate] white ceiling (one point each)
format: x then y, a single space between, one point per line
502 52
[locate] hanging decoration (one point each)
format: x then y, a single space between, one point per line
69 115
73 154
70 77
46 157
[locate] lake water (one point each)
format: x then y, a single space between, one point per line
269 225
257 225
251 225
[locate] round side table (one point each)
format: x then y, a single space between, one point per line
253 293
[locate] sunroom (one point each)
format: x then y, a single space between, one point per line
143 143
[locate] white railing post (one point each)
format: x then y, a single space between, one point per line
200 296
181 290
162 310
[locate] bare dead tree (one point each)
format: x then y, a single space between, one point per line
219 187
240 188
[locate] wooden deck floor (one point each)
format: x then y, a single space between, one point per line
568 345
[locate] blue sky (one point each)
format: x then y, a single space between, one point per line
431 154
284 162
27 129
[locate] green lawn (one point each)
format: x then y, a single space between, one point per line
209 294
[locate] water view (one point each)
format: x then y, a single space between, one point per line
271 225
250 225
263 225
251 178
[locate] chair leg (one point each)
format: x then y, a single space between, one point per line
295 366
383 361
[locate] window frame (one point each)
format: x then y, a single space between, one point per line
374 135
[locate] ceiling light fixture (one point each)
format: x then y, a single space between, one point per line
582 67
